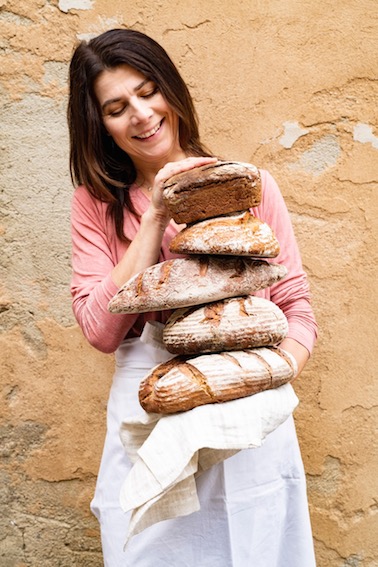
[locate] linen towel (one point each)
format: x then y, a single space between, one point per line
169 451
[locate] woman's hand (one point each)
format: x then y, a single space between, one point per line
144 250
170 169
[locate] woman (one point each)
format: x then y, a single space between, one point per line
132 126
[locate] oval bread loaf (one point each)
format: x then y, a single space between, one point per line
212 190
240 234
229 324
184 383
183 282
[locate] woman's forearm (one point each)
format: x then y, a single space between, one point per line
300 353
144 250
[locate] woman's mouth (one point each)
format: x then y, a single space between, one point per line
150 133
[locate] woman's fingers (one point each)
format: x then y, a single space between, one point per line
175 167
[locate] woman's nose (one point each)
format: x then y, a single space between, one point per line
140 111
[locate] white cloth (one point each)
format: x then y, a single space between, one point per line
173 448
168 451
253 505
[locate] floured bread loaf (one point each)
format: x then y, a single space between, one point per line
183 282
212 190
240 234
184 383
229 324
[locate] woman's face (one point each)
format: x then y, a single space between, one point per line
137 117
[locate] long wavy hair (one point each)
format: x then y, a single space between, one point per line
95 160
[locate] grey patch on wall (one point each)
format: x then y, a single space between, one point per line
17 441
291 134
322 155
364 133
353 561
66 5
36 196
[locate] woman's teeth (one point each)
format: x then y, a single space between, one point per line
149 133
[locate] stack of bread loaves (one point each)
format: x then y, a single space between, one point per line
223 336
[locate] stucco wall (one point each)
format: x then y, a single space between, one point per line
288 85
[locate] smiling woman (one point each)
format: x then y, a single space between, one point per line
140 121
96 159
132 127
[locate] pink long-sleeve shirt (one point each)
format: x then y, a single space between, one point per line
96 250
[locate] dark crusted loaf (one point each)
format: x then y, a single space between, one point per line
212 190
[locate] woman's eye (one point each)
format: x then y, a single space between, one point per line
150 92
117 112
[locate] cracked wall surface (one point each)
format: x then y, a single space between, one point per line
290 86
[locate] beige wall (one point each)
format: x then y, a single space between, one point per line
289 85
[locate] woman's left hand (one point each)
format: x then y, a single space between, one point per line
298 351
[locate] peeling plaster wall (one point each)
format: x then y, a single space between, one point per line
290 86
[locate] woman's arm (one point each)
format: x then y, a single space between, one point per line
144 250
101 264
291 294
93 258
299 352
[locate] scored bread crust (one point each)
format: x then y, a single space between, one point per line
212 190
229 324
183 282
184 383
240 234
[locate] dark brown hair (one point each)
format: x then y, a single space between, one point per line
95 160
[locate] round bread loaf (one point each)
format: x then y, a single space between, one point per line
229 324
183 282
240 234
184 383
212 190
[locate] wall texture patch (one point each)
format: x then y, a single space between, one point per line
66 5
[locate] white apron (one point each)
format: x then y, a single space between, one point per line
254 510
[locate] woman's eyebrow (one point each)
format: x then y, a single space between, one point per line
136 89
144 82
